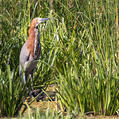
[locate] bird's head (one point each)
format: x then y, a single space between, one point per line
37 21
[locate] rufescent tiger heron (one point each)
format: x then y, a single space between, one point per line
31 50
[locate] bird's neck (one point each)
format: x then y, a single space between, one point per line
36 41
36 30
33 40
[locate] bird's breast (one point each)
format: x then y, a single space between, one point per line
37 46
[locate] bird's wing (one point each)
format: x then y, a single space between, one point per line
24 55
27 62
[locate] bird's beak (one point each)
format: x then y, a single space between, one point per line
40 20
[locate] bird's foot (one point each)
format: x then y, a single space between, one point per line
35 94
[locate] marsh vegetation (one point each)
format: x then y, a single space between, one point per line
79 55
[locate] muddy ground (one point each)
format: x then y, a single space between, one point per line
53 104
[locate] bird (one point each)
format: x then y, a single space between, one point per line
31 50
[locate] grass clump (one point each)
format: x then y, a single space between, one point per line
88 77
12 92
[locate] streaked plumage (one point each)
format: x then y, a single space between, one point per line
31 49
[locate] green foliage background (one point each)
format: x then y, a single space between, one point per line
78 50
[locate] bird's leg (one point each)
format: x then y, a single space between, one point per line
32 82
24 78
32 89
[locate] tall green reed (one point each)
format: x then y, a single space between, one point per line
12 92
89 77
